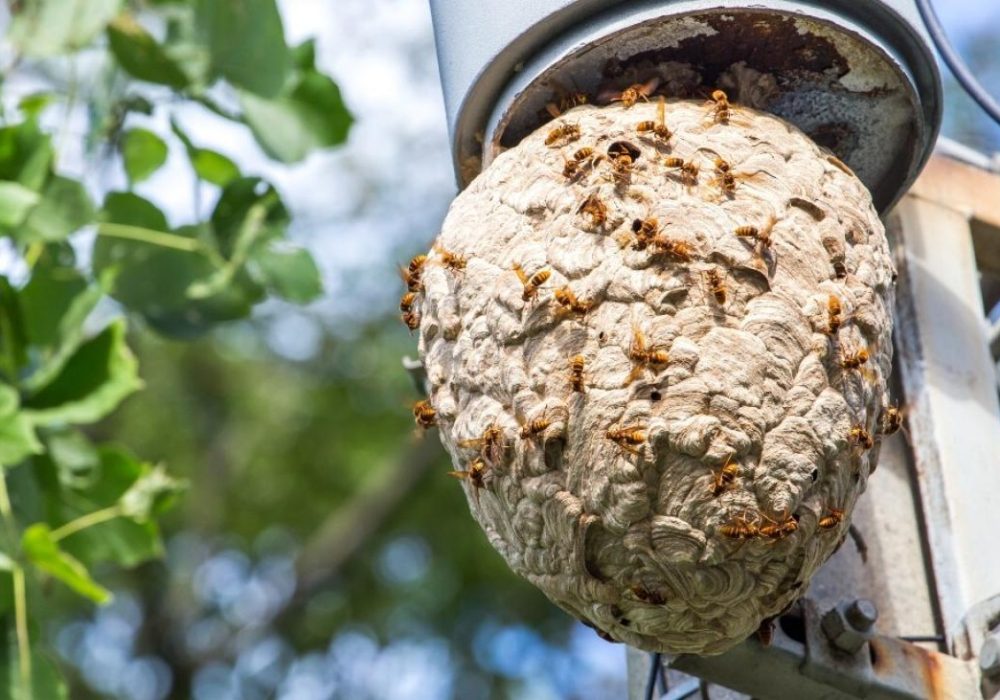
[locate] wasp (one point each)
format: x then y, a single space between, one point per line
594 207
727 180
535 427
424 414
833 315
490 444
475 474
891 419
760 235
765 633
453 261
628 438
776 530
412 274
633 93
621 170
720 106
740 528
564 101
724 479
659 126
643 356
644 231
576 364
688 168
853 360
412 320
831 519
584 157
565 133
861 437
532 283
409 316
662 245
717 285
569 303
647 596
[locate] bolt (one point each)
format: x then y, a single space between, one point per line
989 658
848 626
862 614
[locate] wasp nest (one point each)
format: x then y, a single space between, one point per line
657 340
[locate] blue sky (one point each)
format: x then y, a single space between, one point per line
961 17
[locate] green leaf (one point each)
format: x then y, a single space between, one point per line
57 300
55 283
308 116
143 152
246 42
288 271
13 342
25 154
154 280
50 27
33 105
150 495
241 202
139 54
248 211
124 541
17 434
44 552
15 203
65 208
304 55
132 210
211 166
46 683
95 379
74 456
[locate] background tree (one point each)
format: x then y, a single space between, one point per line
70 504
319 550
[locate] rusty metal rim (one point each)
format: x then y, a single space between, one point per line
539 49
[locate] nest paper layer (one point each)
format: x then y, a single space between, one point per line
640 537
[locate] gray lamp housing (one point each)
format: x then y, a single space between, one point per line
857 76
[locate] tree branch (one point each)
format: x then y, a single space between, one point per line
345 531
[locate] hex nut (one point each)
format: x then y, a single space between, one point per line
642 536
989 657
849 627
862 614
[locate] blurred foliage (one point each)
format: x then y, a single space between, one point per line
67 502
319 540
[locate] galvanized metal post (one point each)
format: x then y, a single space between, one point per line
948 379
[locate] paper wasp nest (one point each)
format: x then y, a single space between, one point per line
663 416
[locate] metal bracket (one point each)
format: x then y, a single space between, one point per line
807 659
418 373
978 637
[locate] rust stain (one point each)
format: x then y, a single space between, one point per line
881 658
766 42
930 667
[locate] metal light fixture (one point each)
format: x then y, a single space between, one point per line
857 76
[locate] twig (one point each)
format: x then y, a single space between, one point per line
20 595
